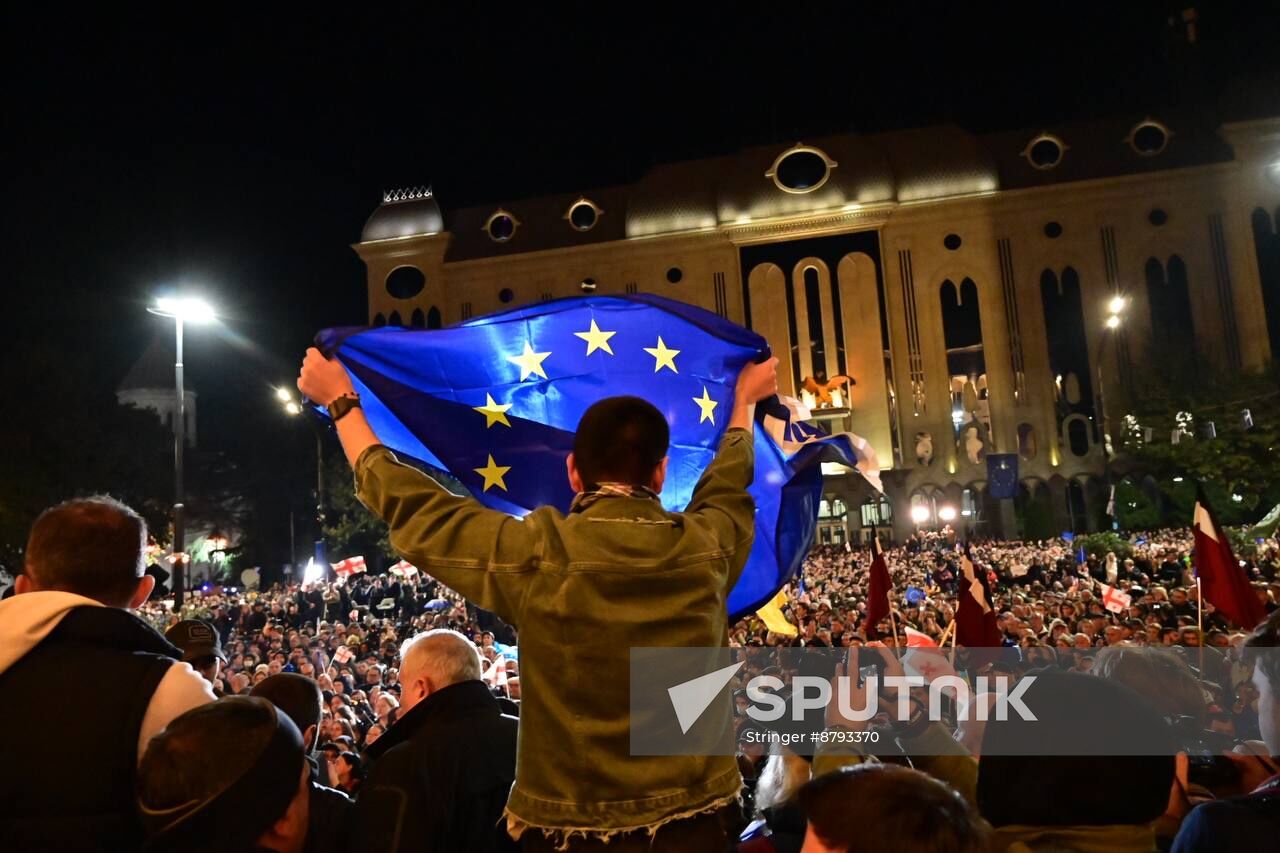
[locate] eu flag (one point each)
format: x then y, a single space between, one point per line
494 402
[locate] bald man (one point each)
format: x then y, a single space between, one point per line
442 772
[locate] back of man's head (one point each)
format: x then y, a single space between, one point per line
435 660
1110 756
883 807
221 776
298 696
89 546
620 440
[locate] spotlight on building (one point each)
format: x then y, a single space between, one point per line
919 514
283 395
1116 305
947 513
1113 322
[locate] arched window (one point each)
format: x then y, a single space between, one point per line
1076 507
824 508
417 320
1170 299
1026 442
813 299
966 362
433 318
1078 436
379 320
1068 345
394 319
1266 243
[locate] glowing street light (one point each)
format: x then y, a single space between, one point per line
1113 322
293 407
1116 305
180 309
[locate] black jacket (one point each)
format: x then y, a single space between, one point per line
71 709
440 777
328 815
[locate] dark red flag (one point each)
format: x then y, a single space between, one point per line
878 593
1223 582
975 616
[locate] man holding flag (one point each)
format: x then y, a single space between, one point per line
878 605
617 571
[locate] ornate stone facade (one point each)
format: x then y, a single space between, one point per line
963 281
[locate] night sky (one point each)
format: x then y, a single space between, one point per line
242 153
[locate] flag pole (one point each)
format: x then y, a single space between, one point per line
1200 623
893 625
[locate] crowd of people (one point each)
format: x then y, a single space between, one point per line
387 713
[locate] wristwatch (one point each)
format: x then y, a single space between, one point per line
344 404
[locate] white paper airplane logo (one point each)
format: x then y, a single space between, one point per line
691 698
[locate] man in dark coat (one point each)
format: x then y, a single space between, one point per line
442 772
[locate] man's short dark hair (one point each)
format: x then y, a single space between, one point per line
296 695
876 806
620 440
89 546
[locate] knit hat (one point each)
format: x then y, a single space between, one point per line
228 803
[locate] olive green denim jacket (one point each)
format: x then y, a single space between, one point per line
583 589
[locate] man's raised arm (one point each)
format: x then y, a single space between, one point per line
485 555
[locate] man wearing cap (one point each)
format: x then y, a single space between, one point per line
77 668
200 645
224 778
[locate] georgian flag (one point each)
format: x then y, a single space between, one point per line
403 569
918 639
1115 600
349 567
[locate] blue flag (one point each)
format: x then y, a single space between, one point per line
494 402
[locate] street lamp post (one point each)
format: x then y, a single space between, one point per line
1116 308
181 311
293 408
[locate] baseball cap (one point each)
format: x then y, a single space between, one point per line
197 639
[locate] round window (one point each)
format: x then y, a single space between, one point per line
1052 230
1157 217
674 275
406 282
588 285
583 215
951 241
501 226
1044 151
801 169
506 295
1148 138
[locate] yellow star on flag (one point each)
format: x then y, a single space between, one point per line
493 412
530 362
596 339
707 405
493 474
663 357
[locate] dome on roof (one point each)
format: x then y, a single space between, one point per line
404 213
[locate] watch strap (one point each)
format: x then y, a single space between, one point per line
343 405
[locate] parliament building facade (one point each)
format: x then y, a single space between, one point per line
963 282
